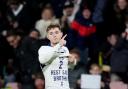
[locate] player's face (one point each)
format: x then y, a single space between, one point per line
54 35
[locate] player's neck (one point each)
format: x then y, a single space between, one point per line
53 44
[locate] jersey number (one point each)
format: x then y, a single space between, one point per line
61 63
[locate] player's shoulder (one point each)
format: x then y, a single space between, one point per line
44 48
64 47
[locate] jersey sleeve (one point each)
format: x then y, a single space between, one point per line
47 54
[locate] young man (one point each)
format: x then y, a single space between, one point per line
55 57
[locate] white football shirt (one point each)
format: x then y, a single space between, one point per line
56 69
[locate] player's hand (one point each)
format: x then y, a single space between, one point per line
63 41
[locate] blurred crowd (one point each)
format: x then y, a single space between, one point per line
97 36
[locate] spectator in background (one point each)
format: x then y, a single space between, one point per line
57 7
118 59
9 72
121 5
1 82
67 15
90 3
3 46
114 13
39 82
79 68
34 33
98 17
19 16
121 12
126 23
69 12
83 31
95 69
25 50
106 48
13 86
66 20
3 23
6 52
47 18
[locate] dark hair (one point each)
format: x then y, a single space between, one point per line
15 2
68 4
53 26
12 33
117 8
34 29
39 75
48 8
94 65
76 51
